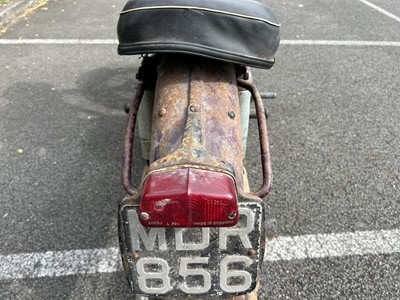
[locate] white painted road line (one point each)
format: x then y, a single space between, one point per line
115 42
381 10
334 245
58 42
91 261
59 263
340 43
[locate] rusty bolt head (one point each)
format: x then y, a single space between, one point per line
144 216
194 108
135 255
251 252
232 114
162 112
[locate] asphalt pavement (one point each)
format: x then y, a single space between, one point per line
334 133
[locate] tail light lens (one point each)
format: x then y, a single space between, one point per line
189 198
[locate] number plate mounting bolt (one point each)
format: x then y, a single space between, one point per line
232 215
144 216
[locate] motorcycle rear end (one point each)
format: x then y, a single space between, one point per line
192 229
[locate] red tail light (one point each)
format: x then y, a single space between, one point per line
189 198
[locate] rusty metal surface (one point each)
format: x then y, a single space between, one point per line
196 122
128 142
263 135
196 117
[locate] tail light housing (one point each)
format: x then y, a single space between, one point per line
189 197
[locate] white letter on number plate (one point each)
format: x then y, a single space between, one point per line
180 245
149 240
144 276
242 232
226 274
185 272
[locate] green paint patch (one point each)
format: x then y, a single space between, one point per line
2 2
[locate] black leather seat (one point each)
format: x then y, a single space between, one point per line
241 31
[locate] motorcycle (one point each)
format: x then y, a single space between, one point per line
193 229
